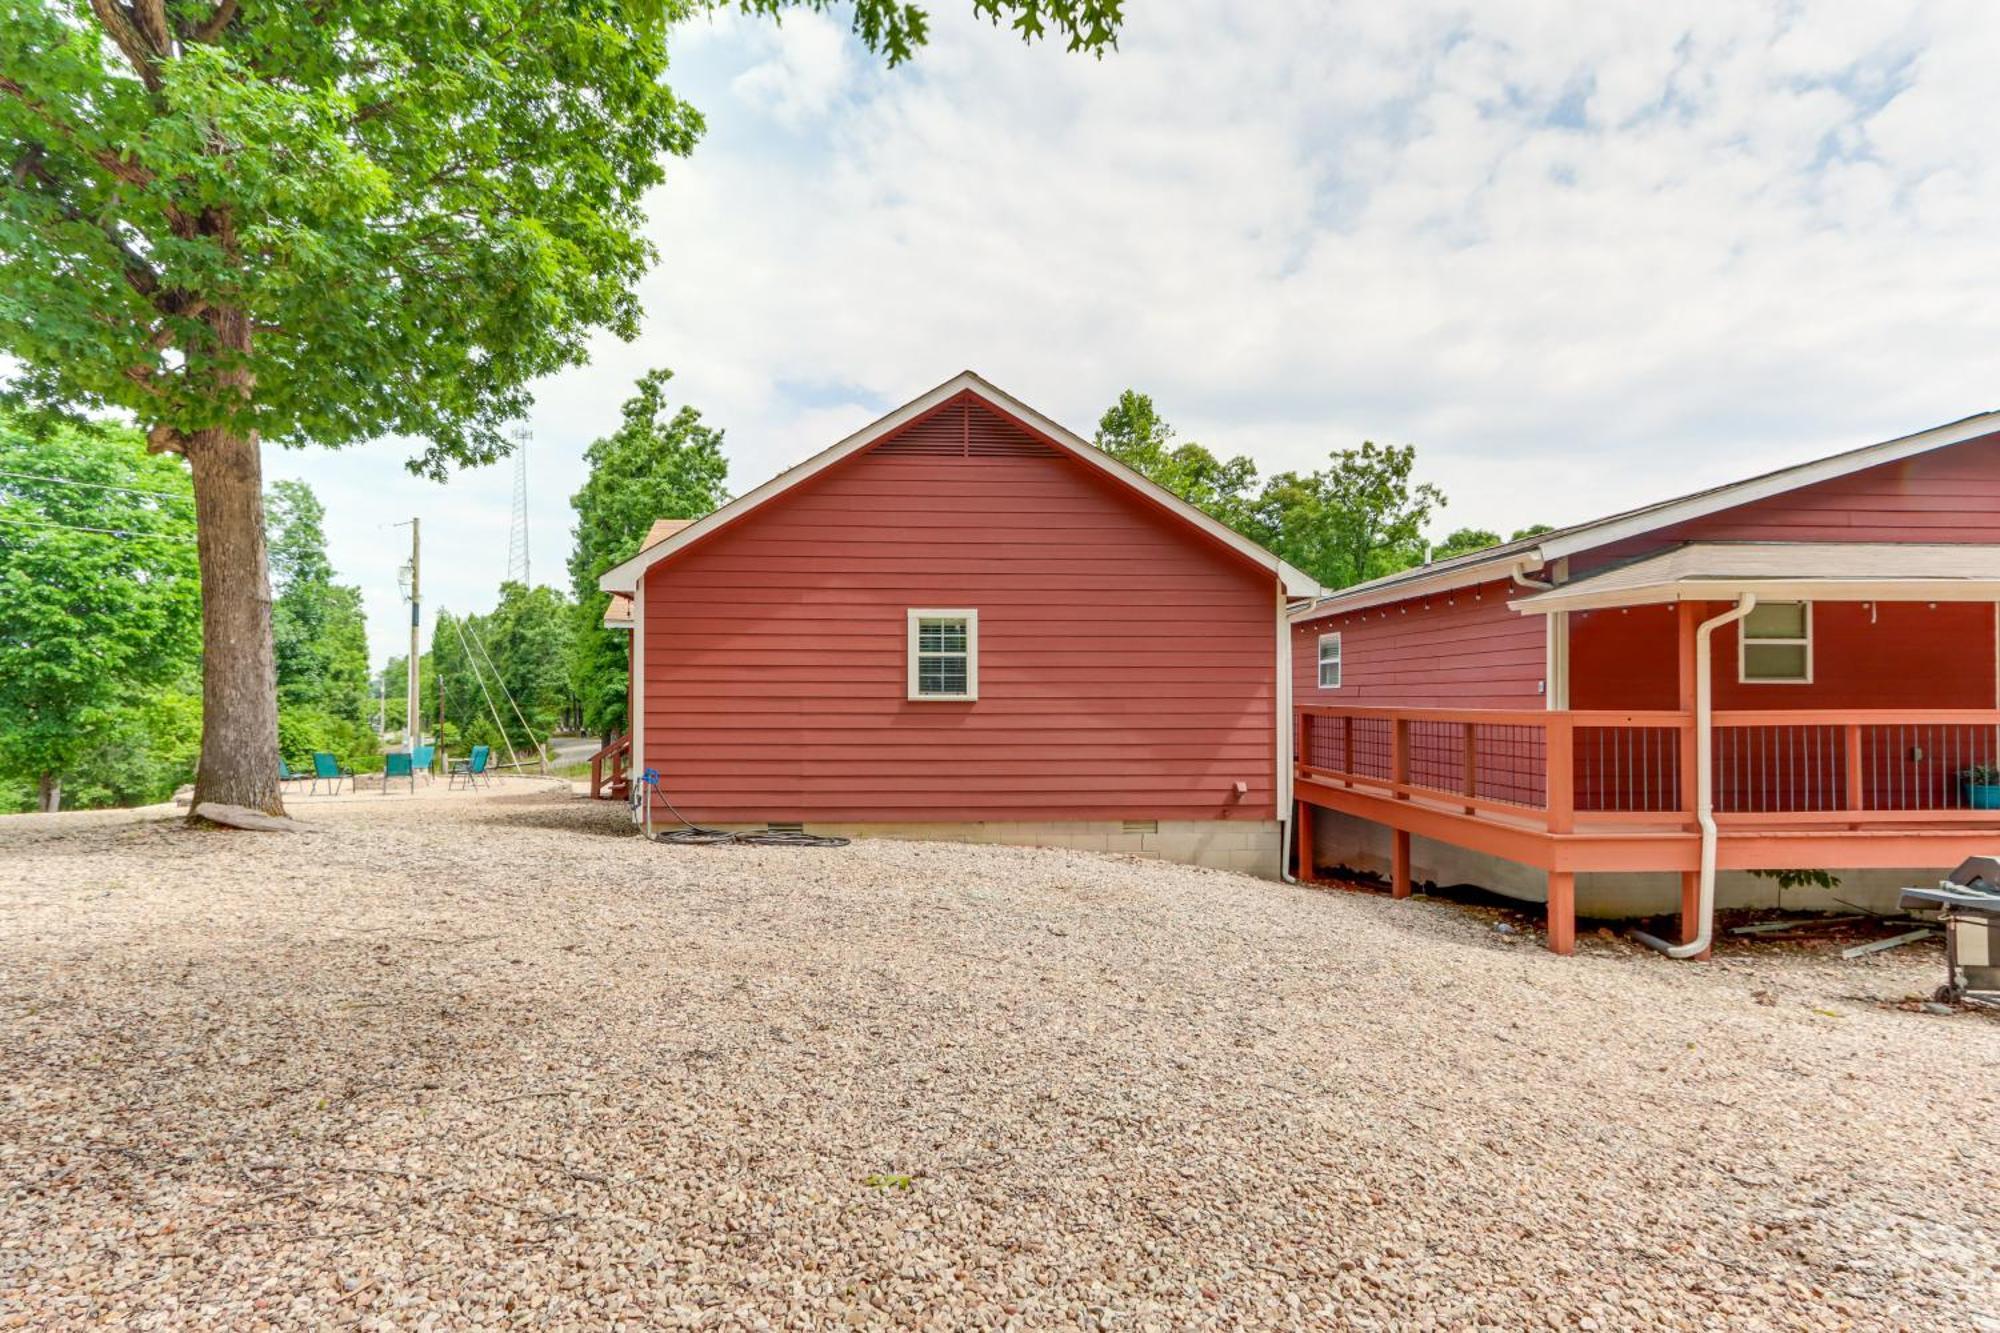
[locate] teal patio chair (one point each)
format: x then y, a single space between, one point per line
287 774
472 768
327 769
422 759
396 764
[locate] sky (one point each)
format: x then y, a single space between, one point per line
1582 256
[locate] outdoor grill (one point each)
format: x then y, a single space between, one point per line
1969 903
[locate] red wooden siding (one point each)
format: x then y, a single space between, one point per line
1463 649
1946 495
1126 662
1904 655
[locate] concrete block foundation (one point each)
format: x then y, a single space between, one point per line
1252 846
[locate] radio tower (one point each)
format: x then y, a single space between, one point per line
517 539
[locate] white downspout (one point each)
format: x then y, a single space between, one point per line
1704 794
1283 689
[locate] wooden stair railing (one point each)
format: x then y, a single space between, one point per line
608 778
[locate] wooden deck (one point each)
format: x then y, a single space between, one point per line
1570 792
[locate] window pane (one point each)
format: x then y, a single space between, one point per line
1776 620
940 636
940 675
1329 675
1329 650
1774 661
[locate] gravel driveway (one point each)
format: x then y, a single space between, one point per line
451 1062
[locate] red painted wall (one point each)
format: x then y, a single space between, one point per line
1907 655
1459 650
1126 670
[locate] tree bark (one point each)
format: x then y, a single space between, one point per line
239 681
51 793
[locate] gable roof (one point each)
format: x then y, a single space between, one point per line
625 577
1533 553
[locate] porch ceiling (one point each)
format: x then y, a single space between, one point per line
1787 571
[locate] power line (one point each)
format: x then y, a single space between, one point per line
96 485
107 532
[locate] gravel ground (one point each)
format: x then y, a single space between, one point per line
447 1062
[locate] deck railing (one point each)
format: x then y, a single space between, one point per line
1569 768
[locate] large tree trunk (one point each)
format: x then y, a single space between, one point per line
51 793
239 685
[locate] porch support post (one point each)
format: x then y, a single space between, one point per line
1399 768
1690 615
1562 912
1302 815
1399 865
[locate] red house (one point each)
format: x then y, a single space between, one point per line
1799 671
966 622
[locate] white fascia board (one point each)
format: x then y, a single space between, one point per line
1592 535
625 577
1773 590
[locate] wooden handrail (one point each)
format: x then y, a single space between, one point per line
616 751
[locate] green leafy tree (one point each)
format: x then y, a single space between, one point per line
1360 518
525 644
322 223
1532 530
661 462
1133 432
1464 541
99 613
318 631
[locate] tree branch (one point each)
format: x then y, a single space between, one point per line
139 273
130 172
220 19
117 21
151 18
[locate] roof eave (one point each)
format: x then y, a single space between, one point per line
1915 589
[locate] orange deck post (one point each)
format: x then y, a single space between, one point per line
1562 912
1850 758
1399 866
1560 759
1302 814
1471 763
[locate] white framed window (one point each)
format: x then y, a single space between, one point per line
1775 645
944 654
1329 661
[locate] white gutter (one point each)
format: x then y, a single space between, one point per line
1704 794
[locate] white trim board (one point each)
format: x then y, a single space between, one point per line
625 577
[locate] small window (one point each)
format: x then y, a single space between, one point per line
1329 661
944 654
1775 647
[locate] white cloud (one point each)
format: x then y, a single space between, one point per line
1582 256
